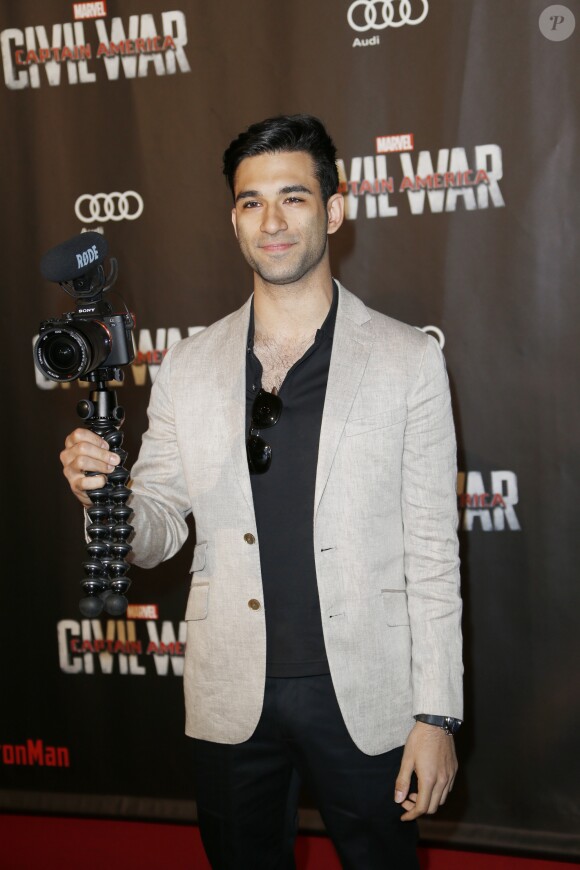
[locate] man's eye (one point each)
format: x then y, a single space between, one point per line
293 199
251 203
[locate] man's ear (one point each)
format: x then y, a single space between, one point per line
335 212
234 221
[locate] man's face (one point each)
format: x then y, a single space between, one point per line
279 218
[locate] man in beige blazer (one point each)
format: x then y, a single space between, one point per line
313 441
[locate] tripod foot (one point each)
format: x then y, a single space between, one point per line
115 604
91 606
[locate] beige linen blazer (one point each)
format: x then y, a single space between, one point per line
385 518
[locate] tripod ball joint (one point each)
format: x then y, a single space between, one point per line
85 409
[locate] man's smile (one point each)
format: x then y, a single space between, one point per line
276 247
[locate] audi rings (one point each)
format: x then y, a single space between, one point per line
370 12
113 206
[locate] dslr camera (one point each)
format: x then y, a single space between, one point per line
93 338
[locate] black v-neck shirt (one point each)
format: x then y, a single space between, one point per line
284 508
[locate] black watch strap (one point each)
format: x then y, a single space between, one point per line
450 726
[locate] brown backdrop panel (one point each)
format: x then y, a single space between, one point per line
458 142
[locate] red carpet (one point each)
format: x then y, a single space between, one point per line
46 843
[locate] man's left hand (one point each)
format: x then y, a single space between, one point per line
430 752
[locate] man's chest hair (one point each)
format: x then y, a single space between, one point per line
278 357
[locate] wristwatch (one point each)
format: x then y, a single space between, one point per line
450 726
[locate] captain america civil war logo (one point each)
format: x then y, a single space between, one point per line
394 180
488 502
91 46
127 647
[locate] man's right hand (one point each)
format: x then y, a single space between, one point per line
85 451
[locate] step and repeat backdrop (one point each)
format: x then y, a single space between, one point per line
457 126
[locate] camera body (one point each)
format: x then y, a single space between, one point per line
79 342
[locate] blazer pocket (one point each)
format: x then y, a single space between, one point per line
395 606
199 552
378 421
197 602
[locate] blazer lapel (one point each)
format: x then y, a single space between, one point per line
231 365
351 348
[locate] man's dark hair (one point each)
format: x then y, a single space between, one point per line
287 133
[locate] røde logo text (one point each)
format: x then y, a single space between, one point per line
87 257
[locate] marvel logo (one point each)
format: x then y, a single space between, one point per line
89 10
142 611
391 144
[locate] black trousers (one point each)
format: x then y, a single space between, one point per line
247 793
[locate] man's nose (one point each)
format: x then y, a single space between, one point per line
273 219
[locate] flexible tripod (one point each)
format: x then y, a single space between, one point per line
105 569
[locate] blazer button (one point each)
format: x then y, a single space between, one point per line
254 604
249 538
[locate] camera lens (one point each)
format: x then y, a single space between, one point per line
63 354
66 353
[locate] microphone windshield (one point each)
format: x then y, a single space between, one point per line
74 258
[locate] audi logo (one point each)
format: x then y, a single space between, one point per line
113 206
379 14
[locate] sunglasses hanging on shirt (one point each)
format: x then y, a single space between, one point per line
266 412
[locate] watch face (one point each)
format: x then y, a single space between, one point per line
452 725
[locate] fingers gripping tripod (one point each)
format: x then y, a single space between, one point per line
106 568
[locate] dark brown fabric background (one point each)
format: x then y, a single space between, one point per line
499 282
